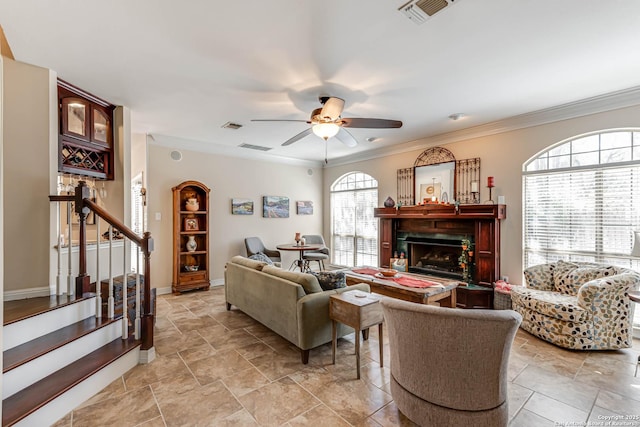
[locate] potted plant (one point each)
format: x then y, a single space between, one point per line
465 259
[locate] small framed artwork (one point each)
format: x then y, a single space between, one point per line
191 224
241 207
304 207
399 264
275 207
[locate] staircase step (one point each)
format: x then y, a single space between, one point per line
37 395
36 322
28 351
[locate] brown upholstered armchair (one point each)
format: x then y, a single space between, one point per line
449 366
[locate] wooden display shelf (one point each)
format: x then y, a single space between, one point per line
190 280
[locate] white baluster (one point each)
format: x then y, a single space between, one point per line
59 281
125 296
111 301
70 285
138 307
98 282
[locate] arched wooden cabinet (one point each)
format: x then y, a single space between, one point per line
190 236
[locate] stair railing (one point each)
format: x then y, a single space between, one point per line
83 206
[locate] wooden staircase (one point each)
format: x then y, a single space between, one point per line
57 358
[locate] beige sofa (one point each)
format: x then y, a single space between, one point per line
291 304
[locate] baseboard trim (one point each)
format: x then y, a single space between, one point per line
44 291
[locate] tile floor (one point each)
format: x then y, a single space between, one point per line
220 368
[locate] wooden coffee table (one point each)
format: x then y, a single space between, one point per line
357 309
445 296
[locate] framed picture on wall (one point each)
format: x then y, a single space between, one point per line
241 207
275 207
304 207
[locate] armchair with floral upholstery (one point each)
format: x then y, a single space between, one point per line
577 305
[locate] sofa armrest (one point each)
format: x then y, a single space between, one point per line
599 294
607 301
540 277
314 324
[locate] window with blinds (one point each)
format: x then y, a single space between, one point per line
582 201
354 229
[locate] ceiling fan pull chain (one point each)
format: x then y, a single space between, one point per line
326 144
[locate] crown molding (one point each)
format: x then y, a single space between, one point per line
597 104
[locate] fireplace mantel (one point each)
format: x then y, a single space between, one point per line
479 222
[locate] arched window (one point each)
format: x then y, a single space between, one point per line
354 229
582 200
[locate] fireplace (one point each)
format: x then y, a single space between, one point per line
435 255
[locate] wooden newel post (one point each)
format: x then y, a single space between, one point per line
83 280
148 315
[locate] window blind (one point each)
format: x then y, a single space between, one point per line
354 229
582 201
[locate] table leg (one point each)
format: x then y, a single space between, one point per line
334 341
381 344
358 352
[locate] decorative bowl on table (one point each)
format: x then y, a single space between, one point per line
191 267
388 272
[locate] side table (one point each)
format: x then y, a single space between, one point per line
635 297
357 309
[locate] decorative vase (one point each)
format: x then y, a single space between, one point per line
192 205
389 203
297 239
191 244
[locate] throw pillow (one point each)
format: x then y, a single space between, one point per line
261 257
571 283
331 279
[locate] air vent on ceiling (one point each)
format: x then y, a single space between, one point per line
418 11
231 125
255 147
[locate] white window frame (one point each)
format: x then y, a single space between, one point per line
607 157
355 182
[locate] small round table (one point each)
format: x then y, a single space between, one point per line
635 297
300 248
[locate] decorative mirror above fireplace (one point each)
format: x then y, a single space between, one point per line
434 183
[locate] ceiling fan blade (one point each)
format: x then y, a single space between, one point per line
279 120
346 138
297 137
358 122
332 108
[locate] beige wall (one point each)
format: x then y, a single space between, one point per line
502 156
26 175
228 178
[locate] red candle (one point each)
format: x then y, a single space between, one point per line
490 182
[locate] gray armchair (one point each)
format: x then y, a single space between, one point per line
319 255
449 366
255 245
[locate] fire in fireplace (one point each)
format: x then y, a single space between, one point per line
435 255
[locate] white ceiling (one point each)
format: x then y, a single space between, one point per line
186 67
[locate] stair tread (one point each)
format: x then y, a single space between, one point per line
30 350
17 310
28 400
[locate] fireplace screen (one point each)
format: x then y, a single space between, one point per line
435 256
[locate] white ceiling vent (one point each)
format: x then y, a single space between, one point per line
231 125
254 147
418 11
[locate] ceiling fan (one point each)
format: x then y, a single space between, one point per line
327 123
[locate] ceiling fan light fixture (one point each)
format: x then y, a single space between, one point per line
326 130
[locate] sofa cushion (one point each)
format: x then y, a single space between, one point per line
552 304
570 282
261 257
308 282
250 263
330 280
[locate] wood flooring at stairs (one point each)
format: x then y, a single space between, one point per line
27 401
28 351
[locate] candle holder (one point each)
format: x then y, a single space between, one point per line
490 185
